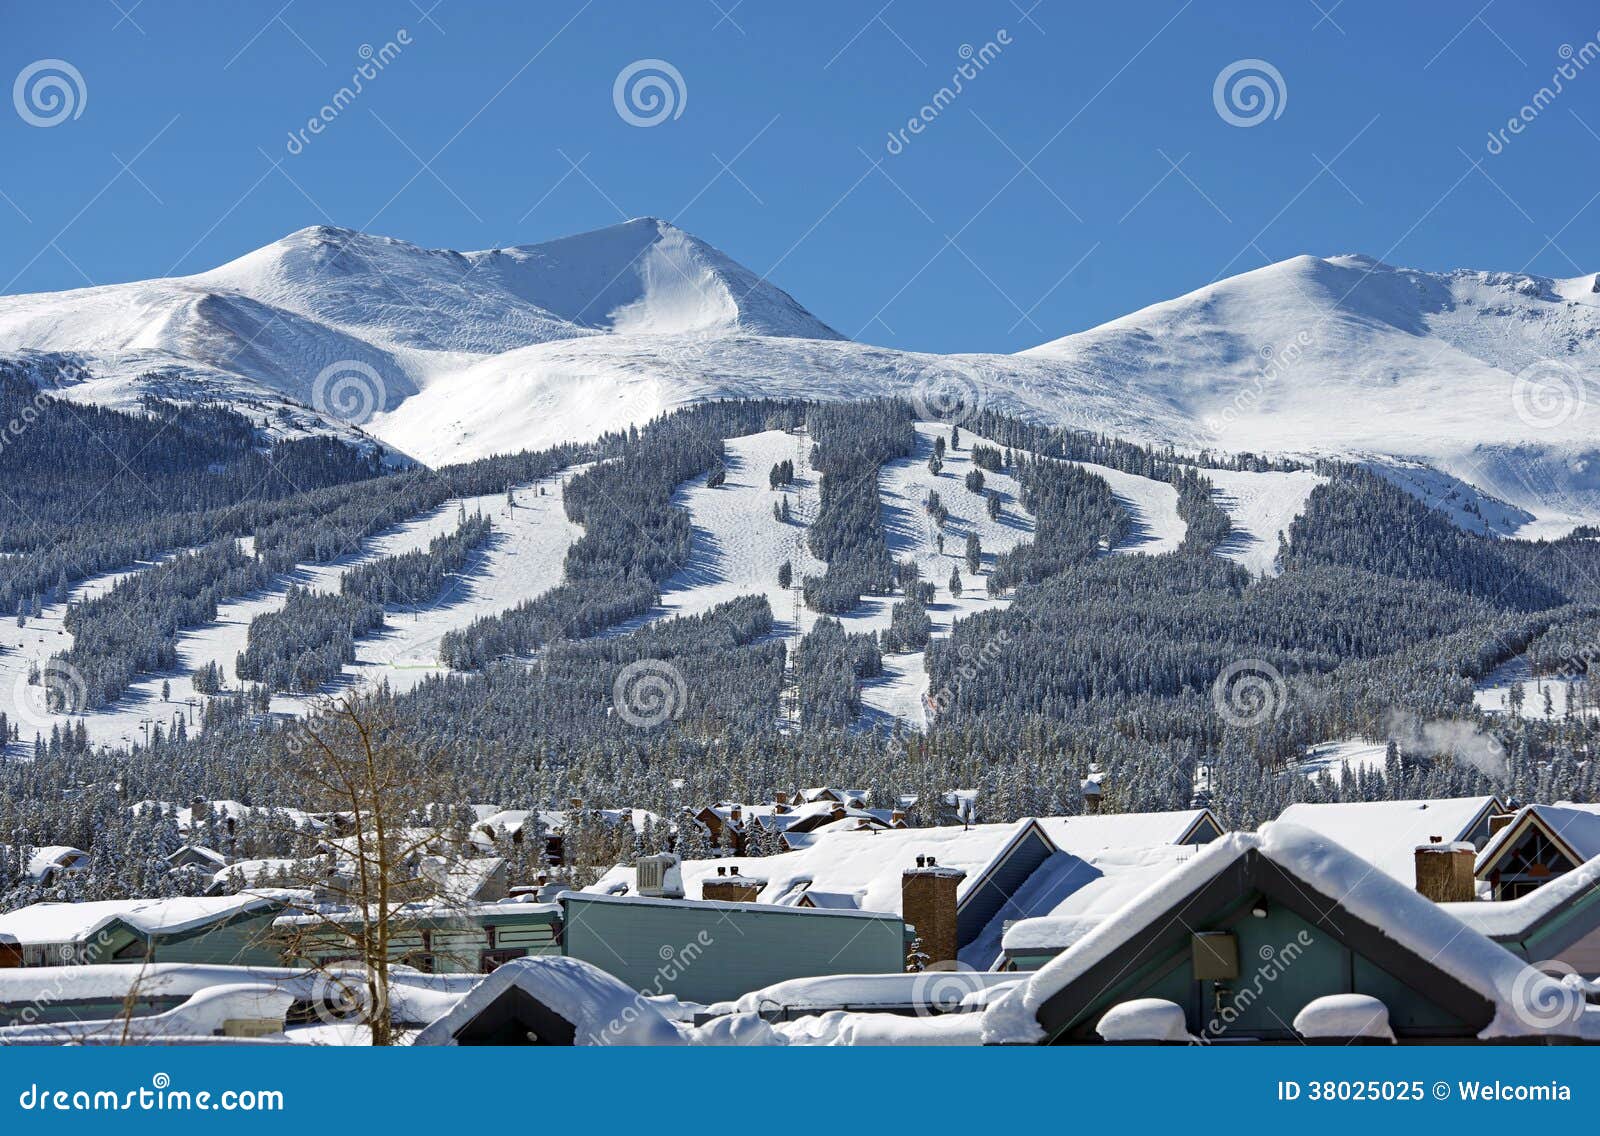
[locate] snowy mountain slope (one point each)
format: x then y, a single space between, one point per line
1479 383
269 322
1351 356
1153 505
523 558
1260 506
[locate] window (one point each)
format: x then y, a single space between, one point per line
490 961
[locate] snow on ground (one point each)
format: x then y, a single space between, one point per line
1465 506
21 648
1493 694
1153 505
1333 758
1260 505
739 545
522 559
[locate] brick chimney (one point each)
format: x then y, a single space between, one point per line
928 903
728 886
1497 821
1444 871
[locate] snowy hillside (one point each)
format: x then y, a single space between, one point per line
1471 389
1351 356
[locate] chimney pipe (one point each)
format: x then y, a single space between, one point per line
1444 871
928 903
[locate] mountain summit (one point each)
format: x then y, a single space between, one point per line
1485 377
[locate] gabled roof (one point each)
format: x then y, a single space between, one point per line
1573 827
1386 833
52 858
1069 896
1097 832
45 923
599 1009
1406 934
1510 920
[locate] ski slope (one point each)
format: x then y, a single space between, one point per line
523 557
1259 506
1493 694
1153 505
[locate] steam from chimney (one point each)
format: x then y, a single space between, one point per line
1461 740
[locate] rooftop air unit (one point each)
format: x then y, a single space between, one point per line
660 876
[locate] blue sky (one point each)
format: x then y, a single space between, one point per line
1084 171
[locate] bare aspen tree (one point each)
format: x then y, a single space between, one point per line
354 763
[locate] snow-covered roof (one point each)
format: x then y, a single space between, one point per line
1326 868
866 865
1097 832
250 872
53 857
601 1009
1513 918
43 923
1386 833
1068 896
1574 825
1344 1016
931 990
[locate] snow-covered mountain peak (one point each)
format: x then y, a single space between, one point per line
647 276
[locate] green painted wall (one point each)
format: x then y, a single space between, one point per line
716 952
1284 963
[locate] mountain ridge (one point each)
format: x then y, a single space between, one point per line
1481 376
